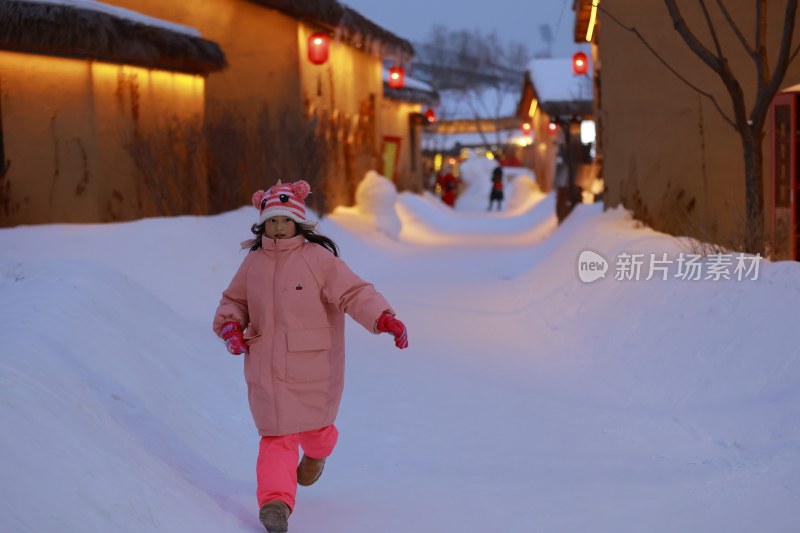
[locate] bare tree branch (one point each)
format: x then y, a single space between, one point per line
691 40
669 67
794 53
768 90
742 39
477 116
762 63
750 129
717 64
711 28
476 69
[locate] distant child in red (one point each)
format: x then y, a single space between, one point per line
449 183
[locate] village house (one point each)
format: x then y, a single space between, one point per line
272 90
668 154
78 84
302 97
555 102
404 123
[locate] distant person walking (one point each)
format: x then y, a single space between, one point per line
496 194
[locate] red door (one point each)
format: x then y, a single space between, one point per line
785 179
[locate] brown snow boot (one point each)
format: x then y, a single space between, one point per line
309 470
275 516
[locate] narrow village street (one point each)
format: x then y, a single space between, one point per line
527 400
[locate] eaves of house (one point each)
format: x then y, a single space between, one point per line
124 37
347 25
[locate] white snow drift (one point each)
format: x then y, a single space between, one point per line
527 401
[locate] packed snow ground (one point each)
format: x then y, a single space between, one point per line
528 401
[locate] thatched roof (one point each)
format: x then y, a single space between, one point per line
64 30
347 24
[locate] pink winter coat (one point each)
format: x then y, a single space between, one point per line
290 297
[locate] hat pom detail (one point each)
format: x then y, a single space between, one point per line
301 189
257 197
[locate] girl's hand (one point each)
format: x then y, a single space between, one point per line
389 324
233 337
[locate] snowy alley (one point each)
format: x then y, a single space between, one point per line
528 401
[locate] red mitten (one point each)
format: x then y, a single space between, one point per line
389 324
233 337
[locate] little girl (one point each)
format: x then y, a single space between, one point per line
284 309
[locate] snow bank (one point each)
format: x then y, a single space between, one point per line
111 405
524 192
476 173
375 205
614 406
375 199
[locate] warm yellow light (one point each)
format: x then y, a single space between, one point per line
318 41
150 79
489 155
159 94
592 20
532 109
523 141
394 75
154 78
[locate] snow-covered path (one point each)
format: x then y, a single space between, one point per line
527 400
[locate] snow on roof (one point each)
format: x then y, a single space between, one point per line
554 80
122 13
411 83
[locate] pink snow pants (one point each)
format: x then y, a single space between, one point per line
276 468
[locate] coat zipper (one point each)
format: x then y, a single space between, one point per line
274 337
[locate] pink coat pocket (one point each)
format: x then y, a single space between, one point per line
251 360
250 334
308 357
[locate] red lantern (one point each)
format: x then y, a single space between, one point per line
318 47
580 63
397 77
526 128
552 127
430 115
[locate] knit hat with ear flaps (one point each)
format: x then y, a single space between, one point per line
284 200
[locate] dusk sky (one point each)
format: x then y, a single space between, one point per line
517 20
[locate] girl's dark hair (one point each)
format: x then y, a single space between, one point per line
309 234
